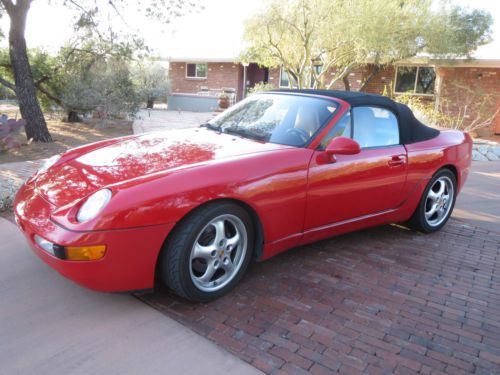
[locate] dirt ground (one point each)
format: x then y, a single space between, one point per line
65 136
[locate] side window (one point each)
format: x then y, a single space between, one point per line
341 129
374 127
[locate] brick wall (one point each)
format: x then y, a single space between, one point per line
219 75
383 78
479 80
460 86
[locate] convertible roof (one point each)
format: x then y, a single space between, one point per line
411 130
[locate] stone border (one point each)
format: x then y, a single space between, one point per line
484 150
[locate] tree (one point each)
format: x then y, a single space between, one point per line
151 81
319 42
88 10
106 87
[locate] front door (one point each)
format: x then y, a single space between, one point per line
367 183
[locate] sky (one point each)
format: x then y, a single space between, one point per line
214 31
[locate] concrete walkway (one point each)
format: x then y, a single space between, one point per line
157 119
479 201
48 325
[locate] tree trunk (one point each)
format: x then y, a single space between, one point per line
35 128
370 77
347 85
73 116
150 103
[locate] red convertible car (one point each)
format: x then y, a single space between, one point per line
277 170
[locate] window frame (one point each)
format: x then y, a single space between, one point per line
414 92
288 86
353 126
316 66
196 70
320 146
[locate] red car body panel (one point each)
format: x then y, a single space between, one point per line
158 178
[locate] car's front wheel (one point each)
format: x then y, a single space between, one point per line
208 253
437 202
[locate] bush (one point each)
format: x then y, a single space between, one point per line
9 128
261 86
469 111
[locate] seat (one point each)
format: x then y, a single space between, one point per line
307 120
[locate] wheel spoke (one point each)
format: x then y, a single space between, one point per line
440 213
431 212
203 252
433 196
233 242
220 231
227 265
442 187
209 272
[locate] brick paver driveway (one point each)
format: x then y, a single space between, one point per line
381 300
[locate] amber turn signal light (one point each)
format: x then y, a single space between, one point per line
85 252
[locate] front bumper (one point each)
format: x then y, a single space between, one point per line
131 254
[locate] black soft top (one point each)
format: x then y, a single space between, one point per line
410 129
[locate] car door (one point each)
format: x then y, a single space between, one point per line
355 186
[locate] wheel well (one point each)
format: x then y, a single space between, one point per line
259 230
454 170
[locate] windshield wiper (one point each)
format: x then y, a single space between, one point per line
245 133
211 126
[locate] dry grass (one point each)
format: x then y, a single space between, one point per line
65 136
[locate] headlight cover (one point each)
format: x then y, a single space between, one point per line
93 205
49 163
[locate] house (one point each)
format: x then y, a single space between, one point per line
463 86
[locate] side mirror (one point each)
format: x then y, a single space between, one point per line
342 146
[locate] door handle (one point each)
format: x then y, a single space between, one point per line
396 160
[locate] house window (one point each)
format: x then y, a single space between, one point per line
285 80
415 80
196 70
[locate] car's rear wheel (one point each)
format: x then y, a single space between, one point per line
208 253
437 202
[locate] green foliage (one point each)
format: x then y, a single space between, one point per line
106 86
151 80
261 86
471 110
339 35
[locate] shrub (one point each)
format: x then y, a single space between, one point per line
261 86
470 111
9 128
8 191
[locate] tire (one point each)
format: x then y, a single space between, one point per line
436 205
208 253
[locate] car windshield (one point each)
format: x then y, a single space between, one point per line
277 118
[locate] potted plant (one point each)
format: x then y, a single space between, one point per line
223 101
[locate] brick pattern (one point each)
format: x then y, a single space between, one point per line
480 81
383 300
383 79
219 75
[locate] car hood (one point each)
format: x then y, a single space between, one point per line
136 157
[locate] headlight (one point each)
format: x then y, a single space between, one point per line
49 163
93 205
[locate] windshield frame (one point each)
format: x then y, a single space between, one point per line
339 108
